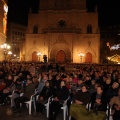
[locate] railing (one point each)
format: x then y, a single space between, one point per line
62 30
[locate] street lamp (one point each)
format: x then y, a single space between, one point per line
14 57
39 54
9 53
81 55
5 48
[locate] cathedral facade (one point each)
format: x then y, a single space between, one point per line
61 31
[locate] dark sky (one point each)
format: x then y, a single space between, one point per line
108 11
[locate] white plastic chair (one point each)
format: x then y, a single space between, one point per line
29 103
109 112
46 105
64 108
10 96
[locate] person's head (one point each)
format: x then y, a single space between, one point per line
29 80
63 83
115 85
80 81
45 77
96 85
47 84
3 83
84 88
104 78
57 77
108 81
50 77
92 82
28 76
35 79
70 79
10 77
75 75
87 78
99 89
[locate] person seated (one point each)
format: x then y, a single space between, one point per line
16 93
2 86
43 98
98 101
59 96
8 82
28 92
115 105
112 91
78 109
92 86
80 100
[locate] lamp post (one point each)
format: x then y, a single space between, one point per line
39 54
9 53
81 55
5 48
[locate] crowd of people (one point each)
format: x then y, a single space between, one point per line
79 84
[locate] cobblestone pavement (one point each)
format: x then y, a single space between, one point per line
24 115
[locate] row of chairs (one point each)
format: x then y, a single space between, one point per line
65 108
34 97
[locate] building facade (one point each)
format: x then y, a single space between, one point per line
16 38
60 31
3 25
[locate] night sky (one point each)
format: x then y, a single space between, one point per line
108 11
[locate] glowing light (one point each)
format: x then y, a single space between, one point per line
5 8
115 47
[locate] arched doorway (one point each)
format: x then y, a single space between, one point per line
88 58
60 53
61 56
34 56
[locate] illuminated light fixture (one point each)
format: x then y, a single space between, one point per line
5 48
81 55
39 54
10 53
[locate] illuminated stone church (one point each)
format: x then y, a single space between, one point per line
60 31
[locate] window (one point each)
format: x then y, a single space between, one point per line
35 29
89 28
61 23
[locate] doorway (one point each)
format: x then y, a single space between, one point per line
34 56
60 57
88 58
